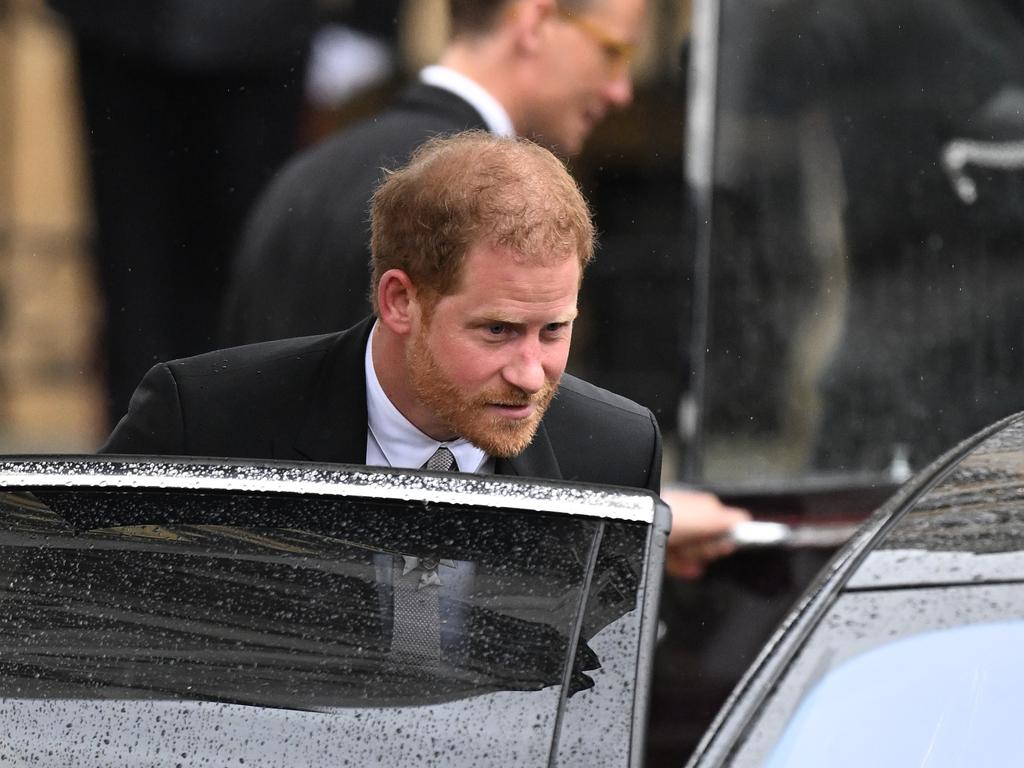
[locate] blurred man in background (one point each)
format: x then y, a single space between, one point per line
542 69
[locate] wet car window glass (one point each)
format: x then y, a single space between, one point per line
584 743
960 628
944 698
968 528
864 215
612 704
229 627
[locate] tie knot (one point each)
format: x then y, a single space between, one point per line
442 461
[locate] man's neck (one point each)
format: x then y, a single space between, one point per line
388 356
393 441
488 68
495 117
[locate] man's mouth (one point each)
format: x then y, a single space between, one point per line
514 410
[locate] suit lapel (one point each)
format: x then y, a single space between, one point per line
538 460
421 97
334 427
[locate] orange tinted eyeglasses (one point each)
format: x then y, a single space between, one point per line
617 52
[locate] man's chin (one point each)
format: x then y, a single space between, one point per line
503 440
565 144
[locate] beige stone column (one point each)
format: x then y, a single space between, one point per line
49 394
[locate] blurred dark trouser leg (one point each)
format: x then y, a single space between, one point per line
251 128
176 158
132 130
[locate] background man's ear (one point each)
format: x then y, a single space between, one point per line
528 20
397 301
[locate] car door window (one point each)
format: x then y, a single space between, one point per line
261 626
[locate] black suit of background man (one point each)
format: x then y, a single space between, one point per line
303 266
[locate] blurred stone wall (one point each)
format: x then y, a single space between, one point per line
49 394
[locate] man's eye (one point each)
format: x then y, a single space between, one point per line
555 327
496 329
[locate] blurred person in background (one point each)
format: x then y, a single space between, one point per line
538 68
190 107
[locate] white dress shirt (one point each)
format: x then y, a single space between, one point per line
393 441
495 117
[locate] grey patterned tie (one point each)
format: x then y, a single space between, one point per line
416 635
442 461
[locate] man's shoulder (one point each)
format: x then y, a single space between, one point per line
579 397
386 138
266 355
269 368
251 401
601 437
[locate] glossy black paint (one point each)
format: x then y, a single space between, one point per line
964 506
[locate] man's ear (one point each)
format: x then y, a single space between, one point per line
397 302
528 20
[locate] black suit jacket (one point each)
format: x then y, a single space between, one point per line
305 399
303 262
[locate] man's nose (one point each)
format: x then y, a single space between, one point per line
526 369
619 90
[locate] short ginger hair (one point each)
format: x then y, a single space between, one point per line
475 188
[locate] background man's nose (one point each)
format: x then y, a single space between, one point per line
619 90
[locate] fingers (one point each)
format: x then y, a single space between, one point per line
700 527
700 515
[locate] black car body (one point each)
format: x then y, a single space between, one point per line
202 612
905 651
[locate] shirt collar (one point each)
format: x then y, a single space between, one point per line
496 118
400 442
